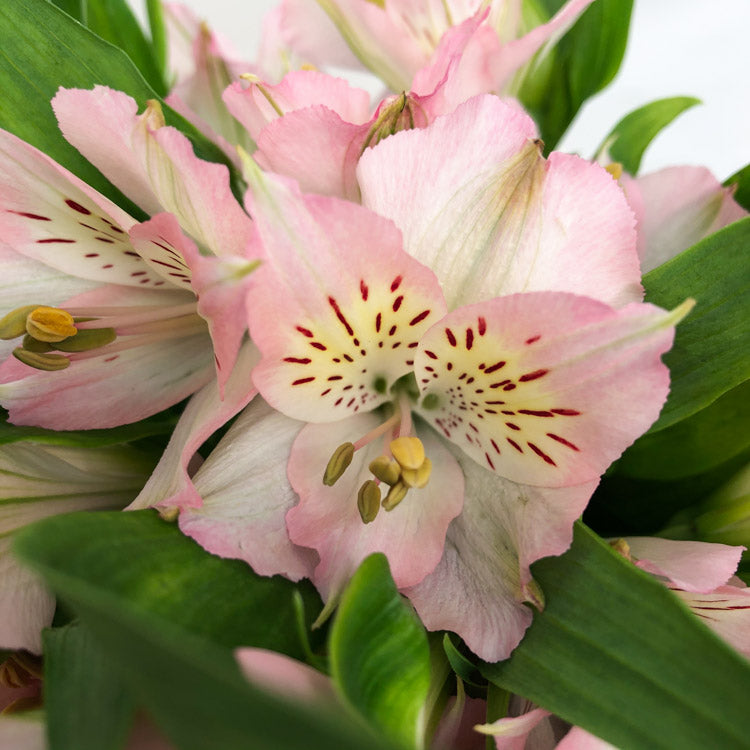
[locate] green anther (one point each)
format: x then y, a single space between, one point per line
48 362
395 495
368 501
386 469
14 323
338 464
87 339
431 401
30 344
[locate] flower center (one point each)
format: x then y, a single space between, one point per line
80 333
402 466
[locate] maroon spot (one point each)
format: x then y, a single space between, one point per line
158 283
138 273
510 387
396 345
489 461
347 387
317 345
515 445
419 318
355 342
53 239
78 207
414 345
298 360
430 354
350 402
473 427
469 381
105 239
562 440
336 377
344 322
338 401
494 368
509 413
499 384
348 358
495 403
305 332
303 380
164 263
397 302
363 352
533 413
378 322
144 281
532 375
113 227
178 275
130 252
336 360
494 445
449 366
566 412
326 392
489 411
396 283
27 215
469 338
392 330
91 255
533 339
410 362
364 291
539 452
512 426
462 376
109 265
481 326
112 359
451 338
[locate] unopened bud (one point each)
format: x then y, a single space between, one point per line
408 451
386 470
50 324
338 464
395 495
418 477
368 501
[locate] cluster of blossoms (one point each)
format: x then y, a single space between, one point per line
432 336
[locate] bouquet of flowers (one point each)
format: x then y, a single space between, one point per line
335 418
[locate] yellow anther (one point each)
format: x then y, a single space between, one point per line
417 477
50 324
338 463
87 339
13 324
622 547
40 361
154 115
395 495
170 515
615 169
408 451
307 66
368 501
386 469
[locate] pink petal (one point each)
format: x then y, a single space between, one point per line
479 205
337 309
512 732
327 519
288 677
170 484
154 166
23 732
246 495
49 215
480 584
676 207
726 611
692 566
545 388
579 739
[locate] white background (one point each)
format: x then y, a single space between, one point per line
677 47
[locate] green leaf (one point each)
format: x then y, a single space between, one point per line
114 21
461 665
379 655
711 353
616 653
86 705
155 568
742 180
191 685
158 35
41 49
629 139
585 60
693 445
74 8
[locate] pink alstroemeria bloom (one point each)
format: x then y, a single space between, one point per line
506 345
121 319
399 40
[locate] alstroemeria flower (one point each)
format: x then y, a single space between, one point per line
45 480
94 348
485 372
402 41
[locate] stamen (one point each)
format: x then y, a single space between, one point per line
86 340
377 432
615 169
338 464
417 478
408 451
50 324
368 501
387 470
395 495
39 361
13 324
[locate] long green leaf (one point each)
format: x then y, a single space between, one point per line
379 654
741 180
190 684
616 653
628 140
74 8
86 705
585 60
711 353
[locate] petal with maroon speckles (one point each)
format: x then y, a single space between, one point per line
337 308
555 388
